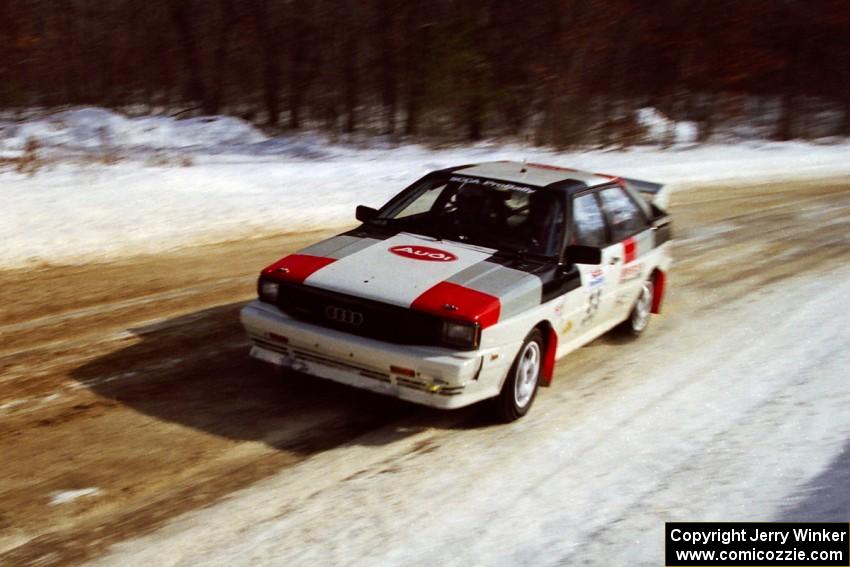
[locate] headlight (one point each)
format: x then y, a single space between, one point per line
464 335
268 290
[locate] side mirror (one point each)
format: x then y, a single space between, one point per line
364 213
576 254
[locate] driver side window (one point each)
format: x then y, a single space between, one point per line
588 221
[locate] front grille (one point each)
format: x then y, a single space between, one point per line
359 316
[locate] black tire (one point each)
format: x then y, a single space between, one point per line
523 380
638 319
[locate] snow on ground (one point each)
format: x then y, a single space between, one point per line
245 184
590 478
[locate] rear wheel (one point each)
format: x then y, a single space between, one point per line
520 387
638 319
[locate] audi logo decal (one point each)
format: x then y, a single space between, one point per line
423 253
345 316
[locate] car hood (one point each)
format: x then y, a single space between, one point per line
451 279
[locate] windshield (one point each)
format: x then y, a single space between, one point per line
484 212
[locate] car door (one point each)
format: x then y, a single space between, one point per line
629 234
599 282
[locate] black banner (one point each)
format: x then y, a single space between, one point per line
763 544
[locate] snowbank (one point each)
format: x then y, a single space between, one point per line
661 130
245 184
98 128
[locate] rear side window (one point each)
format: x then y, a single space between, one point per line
588 221
624 216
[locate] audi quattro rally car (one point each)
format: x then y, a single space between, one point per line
468 284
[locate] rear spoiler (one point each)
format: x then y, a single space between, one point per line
654 193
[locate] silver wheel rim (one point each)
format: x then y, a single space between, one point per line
527 372
640 317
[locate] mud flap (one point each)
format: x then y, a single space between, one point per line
549 358
658 293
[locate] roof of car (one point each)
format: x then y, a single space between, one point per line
534 174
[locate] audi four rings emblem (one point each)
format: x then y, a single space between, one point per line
346 316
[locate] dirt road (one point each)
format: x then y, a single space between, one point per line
130 381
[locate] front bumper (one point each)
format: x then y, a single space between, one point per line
440 378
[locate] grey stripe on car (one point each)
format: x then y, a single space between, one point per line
517 290
339 246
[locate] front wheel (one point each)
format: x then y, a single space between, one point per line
520 387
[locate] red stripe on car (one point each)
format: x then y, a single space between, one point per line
615 178
552 167
630 249
296 267
452 301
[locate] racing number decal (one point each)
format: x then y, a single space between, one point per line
593 299
594 296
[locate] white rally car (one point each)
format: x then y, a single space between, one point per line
469 284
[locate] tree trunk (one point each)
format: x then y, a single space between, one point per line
845 124
297 63
568 105
546 129
350 73
785 128
352 92
475 117
387 65
271 72
228 18
416 52
181 15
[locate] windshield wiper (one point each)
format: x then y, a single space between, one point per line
525 254
520 253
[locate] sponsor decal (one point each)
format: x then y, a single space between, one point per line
630 273
594 298
423 253
567 328
493 184
559 309
620 299
597 278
